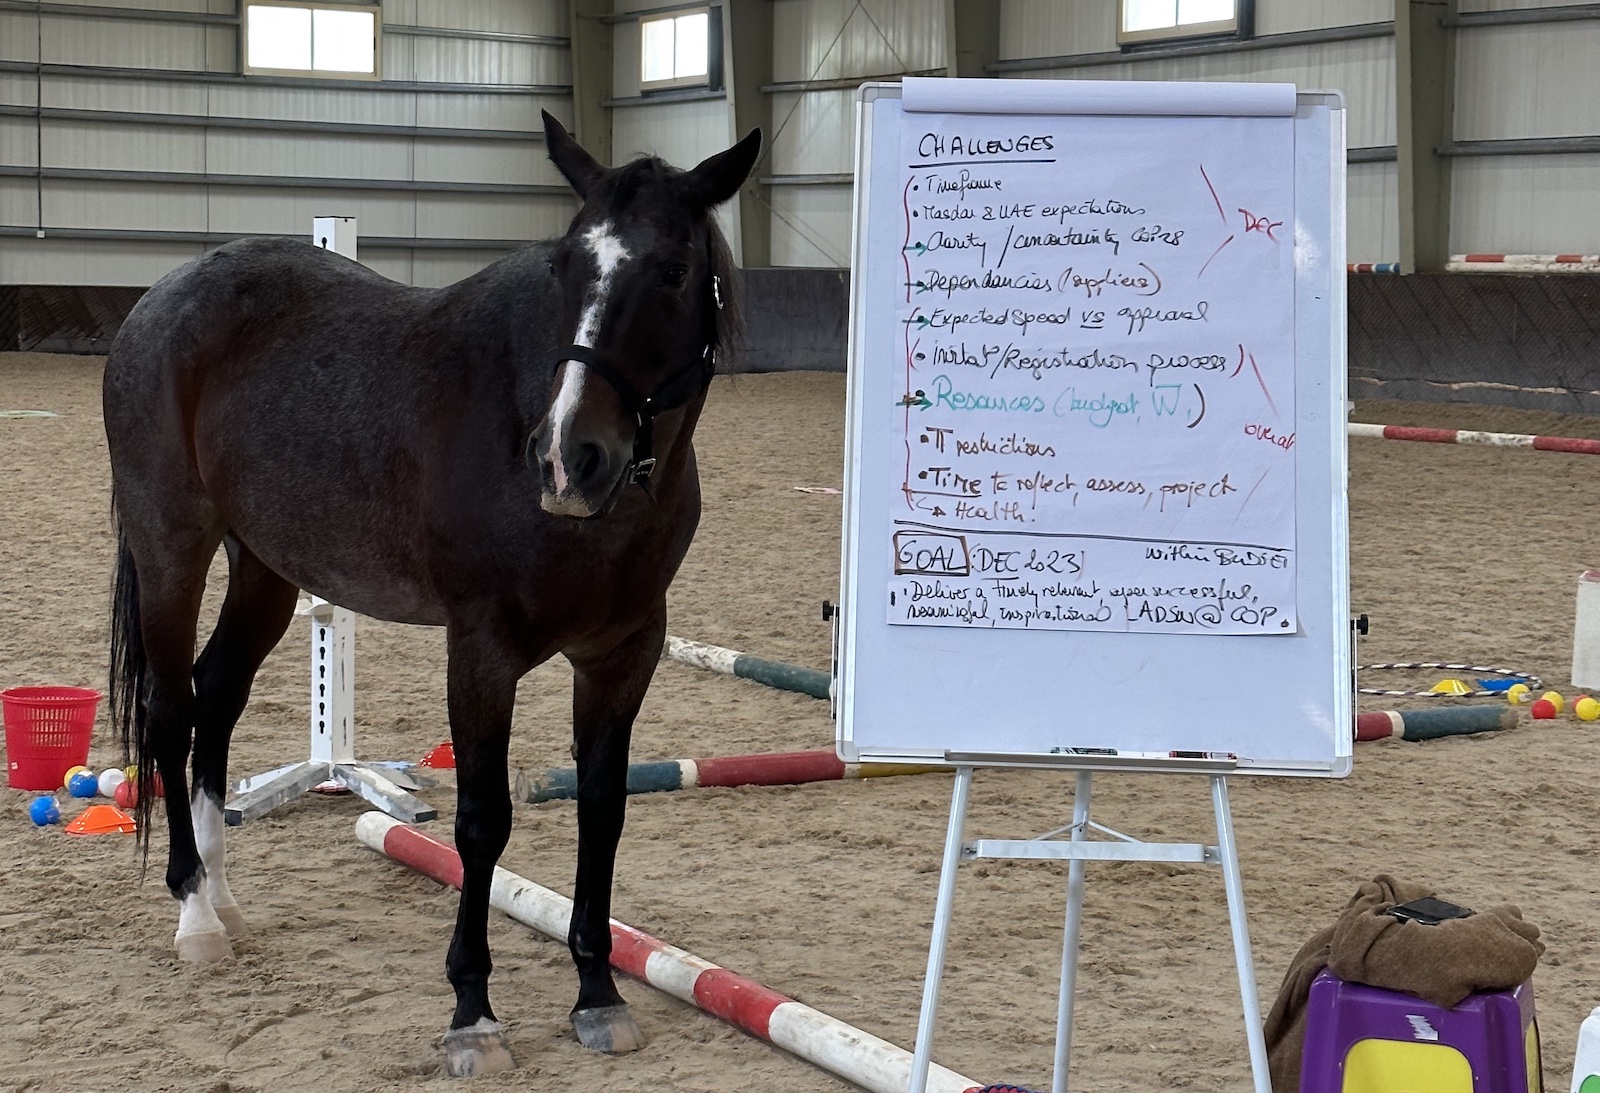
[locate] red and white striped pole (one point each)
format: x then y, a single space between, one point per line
1523 263
824 1041
1574 445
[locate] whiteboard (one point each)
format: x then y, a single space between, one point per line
1094 508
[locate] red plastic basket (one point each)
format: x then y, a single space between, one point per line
47 733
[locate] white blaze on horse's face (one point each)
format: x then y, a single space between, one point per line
608 253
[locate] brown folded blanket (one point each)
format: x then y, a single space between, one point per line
1491 950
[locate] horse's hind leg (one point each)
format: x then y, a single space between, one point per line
255 613
170 559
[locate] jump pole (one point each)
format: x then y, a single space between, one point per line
1569 444
809 1034
777 768
731 662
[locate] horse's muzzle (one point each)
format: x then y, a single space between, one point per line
579 479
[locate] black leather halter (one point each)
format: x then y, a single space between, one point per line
680 387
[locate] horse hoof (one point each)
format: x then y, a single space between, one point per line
232 919
610 1029
204 947
477 1050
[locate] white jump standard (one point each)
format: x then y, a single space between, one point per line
333 736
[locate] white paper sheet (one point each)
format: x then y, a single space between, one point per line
1098 413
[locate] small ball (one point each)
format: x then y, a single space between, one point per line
1517 694
1586 708
83 784
43 811
131 771
1544 709
110 779
66 779
126 795
1555 699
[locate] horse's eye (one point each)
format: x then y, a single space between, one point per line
674 276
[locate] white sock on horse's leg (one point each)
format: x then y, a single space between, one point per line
201 935
210 839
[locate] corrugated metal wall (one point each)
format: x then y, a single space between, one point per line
1081 39
135 144
1516 84
682 127
840 42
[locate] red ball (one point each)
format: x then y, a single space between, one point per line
155 782
126 794
1544 709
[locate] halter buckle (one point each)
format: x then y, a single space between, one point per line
643 469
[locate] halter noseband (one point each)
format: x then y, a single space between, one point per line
682 386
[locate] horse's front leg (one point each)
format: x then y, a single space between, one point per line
607 693
482 683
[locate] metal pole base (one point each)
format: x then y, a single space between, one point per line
382 787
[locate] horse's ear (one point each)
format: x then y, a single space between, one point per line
718 178
579 168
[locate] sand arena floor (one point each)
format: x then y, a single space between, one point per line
824 892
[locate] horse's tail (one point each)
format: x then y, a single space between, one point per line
129 668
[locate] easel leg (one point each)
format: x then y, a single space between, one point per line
1229 850
1069 943
922 1057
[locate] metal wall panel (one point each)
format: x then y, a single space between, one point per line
134 145
1363 70
80 41
77 262
482 161
81 204
18 207
815 129
19 37
1538 80
1051 28
1525 205
1372 204
101 93
502 16
123 148
1515 5
471 61
682 133
832 39
811 226
817 132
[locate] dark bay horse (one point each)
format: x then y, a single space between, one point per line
486 457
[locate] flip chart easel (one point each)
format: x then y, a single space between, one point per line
1095 456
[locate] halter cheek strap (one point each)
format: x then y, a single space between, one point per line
680 387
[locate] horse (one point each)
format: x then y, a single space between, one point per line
510 458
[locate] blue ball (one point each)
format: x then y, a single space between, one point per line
83 784
43 811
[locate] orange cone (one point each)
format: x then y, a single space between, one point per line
442 757
102 820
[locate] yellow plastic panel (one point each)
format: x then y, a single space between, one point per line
1399 1066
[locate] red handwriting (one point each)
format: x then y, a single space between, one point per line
1254 223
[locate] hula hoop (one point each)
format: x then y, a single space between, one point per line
1533 681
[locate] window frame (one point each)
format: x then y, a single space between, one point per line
375 10
708 79
1240 27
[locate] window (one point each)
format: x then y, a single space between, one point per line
1145 21
675 51
305 40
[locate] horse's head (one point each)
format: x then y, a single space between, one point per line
646 299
